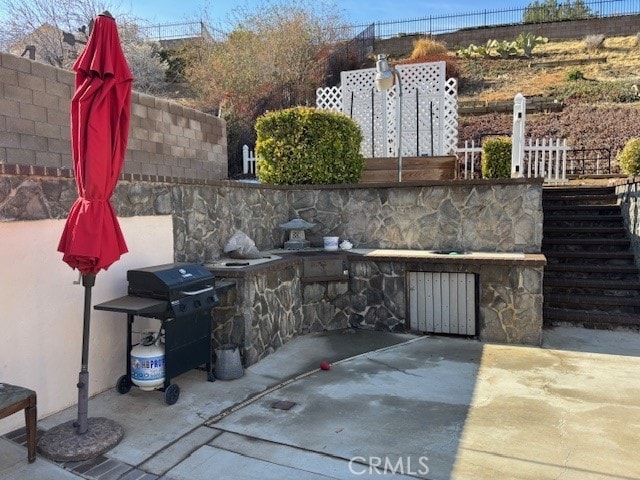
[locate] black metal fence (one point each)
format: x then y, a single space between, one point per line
590 161
436 24
428 25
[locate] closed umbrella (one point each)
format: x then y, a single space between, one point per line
92 239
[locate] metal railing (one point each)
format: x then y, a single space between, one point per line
427 25
590 161
437 24
177 31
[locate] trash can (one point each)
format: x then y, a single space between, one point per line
228 362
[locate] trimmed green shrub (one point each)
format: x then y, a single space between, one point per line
574 76
629 157
304 145
496 158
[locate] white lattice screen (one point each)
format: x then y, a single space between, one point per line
429 110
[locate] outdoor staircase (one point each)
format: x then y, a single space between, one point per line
590 278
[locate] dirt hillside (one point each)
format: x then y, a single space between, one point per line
598 89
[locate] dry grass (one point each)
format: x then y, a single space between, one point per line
495 80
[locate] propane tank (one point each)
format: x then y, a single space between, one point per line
147 362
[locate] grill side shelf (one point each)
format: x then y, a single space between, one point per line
134 305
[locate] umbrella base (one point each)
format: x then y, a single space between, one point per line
63 444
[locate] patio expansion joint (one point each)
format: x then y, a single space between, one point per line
174 442
273 442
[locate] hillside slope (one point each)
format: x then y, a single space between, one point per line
592 117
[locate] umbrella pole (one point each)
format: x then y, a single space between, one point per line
66 442
88 281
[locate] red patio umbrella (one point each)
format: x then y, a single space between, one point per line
100 111
92 239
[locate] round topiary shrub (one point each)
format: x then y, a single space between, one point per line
496 158
303 145
629 157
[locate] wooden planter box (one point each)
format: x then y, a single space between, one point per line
385 169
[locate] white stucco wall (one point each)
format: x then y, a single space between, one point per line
41 313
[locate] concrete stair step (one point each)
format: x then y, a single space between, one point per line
594 255
593 301
585 209
590 231
620 285
578 190
589 268
618 242
590 318
557 218
605 199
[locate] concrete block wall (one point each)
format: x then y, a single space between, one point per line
166 140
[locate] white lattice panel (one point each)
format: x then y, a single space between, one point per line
329 98
450 140
429 110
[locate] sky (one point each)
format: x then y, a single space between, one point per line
355 12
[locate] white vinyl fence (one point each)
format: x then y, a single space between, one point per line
543 157
248 161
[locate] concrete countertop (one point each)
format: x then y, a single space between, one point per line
440 256
280 258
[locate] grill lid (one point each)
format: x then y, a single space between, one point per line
168 281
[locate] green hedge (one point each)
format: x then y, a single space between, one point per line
629 157
303 145
496 158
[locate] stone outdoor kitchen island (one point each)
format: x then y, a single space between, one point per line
495 226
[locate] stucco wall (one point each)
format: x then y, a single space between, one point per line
41 323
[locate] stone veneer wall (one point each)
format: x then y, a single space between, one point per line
490 215
628 192
498 215
509 307
269 307
266 310
165 138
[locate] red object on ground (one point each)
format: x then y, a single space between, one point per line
324 365
100 114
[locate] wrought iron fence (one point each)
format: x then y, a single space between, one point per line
437 24
590 161
363 34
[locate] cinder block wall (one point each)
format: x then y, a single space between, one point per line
165 138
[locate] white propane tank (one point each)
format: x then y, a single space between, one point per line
147 363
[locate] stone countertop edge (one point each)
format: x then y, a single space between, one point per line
427 256
388 255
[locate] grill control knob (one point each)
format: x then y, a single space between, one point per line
197 304
182 307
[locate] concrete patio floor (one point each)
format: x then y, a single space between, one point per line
425 407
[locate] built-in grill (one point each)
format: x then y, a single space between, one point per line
181 296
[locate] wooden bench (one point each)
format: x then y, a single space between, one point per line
12 400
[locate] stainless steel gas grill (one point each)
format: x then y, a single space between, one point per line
181 296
